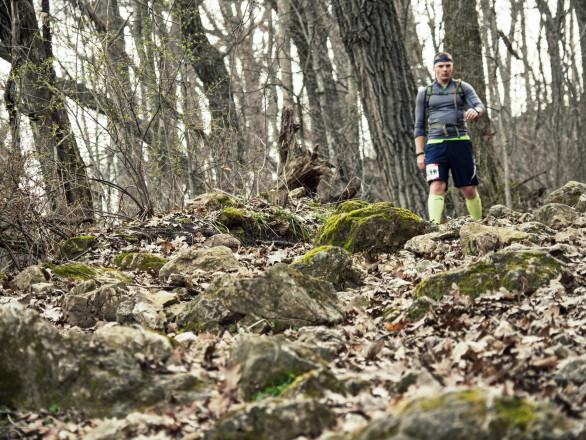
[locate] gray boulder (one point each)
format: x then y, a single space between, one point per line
428 244
223 240
83 307
556 215
273 419
329 263
502 212
141 310
328 340
271 362
282 296
512 269
471 414
40 368
569 194
188 262
478 239
30 275
144 343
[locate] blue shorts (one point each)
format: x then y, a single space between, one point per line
455 155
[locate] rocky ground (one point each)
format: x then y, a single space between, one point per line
175 328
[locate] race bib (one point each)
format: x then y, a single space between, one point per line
432 171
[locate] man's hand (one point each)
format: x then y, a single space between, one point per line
471 114
421 162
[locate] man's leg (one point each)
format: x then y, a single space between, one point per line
473 202
435 202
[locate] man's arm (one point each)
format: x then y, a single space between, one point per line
419 147
477 108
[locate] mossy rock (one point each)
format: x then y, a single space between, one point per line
379 225
329 263
569 194
209 202
139 261
556 215
84 272
513 270
478 239
349 206
231 217
471 414
75 246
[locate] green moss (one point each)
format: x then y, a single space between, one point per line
350 205
231 217
516 413
370 226
505 269
74 270
76 245
223 199
305 259
140 261
276 385
390 313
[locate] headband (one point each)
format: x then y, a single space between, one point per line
443 58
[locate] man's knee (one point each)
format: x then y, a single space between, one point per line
469 192
437 187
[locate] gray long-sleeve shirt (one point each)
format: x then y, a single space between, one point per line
442 110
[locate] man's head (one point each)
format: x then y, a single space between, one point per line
442 66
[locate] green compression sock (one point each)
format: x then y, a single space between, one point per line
474 207
435 206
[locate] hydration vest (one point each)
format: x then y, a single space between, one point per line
428 94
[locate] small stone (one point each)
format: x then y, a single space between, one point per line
42 288
30 275
223 240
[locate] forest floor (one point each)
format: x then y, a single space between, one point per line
505 341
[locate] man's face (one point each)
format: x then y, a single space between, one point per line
443 70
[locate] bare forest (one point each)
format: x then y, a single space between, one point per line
118 108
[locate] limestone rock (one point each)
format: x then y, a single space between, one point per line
328 340
380 225
556 215
428 244
84 272
139 261
283 296
223 240
86 308
572 370
420 307
502 212
478 239
208 202
40 368
270 362
163 298
141 310
75 246
581 205
522 270
569 194
329 263
273 419
538 232
135 425
298 193
471 414
313 385
209 260
30 275
42 288
150 344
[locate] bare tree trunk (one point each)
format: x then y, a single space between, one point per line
371 33
30 91
284 52
580 9
462 40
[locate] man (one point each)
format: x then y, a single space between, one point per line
440 115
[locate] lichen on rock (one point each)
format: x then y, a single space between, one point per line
139 261
329 263
379 225
478 239
230 217
84 272
192 260
514 270
75 246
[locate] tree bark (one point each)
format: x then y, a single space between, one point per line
463 41
371 34
30 91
